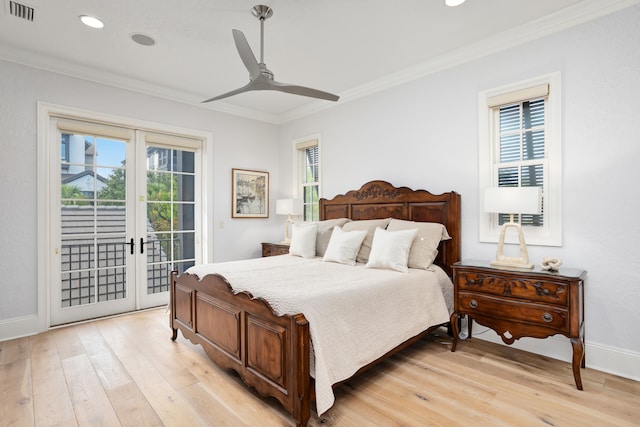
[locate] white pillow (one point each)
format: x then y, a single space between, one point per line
325 228
390 249
424 248
344 246
303 240
370 225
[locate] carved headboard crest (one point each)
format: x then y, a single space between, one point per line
375 191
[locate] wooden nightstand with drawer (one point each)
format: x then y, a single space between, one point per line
522 303
271 249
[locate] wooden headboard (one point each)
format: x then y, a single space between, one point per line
379 199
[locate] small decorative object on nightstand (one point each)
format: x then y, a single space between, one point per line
517 304
271 249
551 264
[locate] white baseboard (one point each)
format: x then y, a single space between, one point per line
609 359
19 327
614 360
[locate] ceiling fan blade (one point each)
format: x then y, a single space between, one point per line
246 54
260 77
246 88
302 90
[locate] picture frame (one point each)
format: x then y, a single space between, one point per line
249 193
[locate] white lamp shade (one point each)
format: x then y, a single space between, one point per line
289 207
513 200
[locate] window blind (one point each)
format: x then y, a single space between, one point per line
80 127
539 91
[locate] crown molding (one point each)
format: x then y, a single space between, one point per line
579 13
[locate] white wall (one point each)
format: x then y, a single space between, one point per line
424 135
237 142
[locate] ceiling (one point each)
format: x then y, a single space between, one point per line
350 48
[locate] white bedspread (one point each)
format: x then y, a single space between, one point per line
355 314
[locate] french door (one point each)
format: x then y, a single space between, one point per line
123 216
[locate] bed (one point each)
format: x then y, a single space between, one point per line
270 346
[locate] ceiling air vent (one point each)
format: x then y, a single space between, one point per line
20 10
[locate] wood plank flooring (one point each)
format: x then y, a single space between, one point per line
125 371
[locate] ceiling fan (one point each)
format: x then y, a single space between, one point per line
260 77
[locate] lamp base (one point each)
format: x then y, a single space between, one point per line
521 262
515 264
287 239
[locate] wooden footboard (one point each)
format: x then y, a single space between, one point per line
269 352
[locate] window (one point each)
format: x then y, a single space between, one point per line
308 176
520 147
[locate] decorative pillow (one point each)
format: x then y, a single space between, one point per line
325 228
390 249
303 240
424 248
370 226
343 246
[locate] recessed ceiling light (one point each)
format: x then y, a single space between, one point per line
143 39
91 21
453 3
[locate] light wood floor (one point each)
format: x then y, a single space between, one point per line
126 371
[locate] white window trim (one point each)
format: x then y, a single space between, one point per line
551 234
299 164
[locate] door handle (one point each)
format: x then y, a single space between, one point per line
131 244
142 243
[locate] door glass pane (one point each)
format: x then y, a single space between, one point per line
158 159
183 246
111 184
184 161
111 153
93 233
159 186
111 218
111 284
170 214
185 217
77 253
158 277
185 188
112 252
159 216
77 288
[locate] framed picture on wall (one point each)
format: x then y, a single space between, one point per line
249 194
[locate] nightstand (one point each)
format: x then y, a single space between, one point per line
522 303
271 249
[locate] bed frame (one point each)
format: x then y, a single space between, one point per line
271 352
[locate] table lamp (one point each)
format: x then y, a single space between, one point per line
513 200
288 207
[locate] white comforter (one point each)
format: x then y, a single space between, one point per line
355 314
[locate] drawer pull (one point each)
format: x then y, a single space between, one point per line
473 303
547 317
546 291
